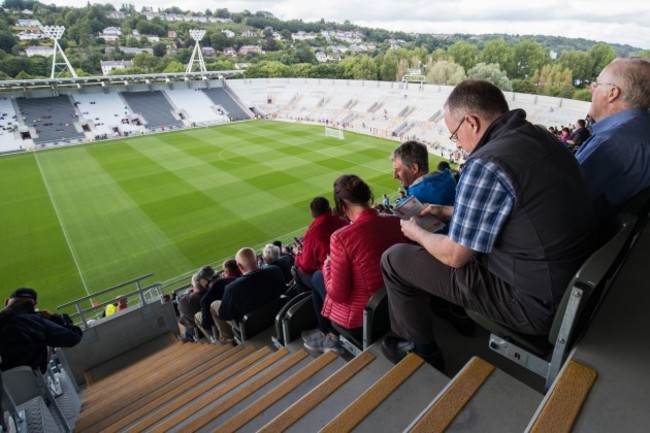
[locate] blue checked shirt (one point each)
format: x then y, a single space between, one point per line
484 199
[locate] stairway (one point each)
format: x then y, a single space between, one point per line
203 387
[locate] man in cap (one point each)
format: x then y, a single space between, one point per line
26 335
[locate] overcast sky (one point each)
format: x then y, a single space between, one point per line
625 22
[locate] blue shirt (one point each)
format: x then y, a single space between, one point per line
616 159
484 199
436 188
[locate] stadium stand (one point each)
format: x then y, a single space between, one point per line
9 126
52 119
106 112
154 107
220 96
195 106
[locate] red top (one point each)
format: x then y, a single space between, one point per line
353 273
316 242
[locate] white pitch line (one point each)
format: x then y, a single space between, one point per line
62 224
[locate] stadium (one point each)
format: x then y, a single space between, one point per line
125 185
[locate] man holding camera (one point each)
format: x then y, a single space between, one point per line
26 335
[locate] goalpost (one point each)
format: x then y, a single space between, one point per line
336 133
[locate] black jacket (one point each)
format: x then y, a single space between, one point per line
25 336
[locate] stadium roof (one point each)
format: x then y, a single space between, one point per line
94 81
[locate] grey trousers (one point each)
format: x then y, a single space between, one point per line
412 275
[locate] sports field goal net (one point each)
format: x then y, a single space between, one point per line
336 133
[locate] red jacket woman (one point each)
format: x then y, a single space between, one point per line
353 273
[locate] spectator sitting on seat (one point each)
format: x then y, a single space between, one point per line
26 335
616 158
189 303
216 287
411 167
314 247
566 133
285 251
579 135
271 256
522 225
352 274
254 289
122 303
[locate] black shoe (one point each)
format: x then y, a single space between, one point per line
458 318
396 348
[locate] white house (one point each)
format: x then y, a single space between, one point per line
111 65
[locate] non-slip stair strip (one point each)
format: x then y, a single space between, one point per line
115 380
133 411
147 378
567 397
453 399
317 395
94 386
246 391
273 396
196 396
147 381
374 396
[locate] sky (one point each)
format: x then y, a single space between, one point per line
624 22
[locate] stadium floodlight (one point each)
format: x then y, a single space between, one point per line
55 33
197 35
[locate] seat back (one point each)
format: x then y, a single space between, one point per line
376 321
257 321
279 337
299 317
593 278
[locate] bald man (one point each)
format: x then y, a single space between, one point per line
616 158
254 289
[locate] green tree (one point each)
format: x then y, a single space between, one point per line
7 40
445 72
464 54
578 62
529 57
492 73
174 67
388 68
600 55
497 51
553 80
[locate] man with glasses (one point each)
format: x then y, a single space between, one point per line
518 231
616 158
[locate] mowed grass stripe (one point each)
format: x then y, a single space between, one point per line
114 239
33 250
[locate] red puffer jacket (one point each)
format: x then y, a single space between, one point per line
316 242
353 272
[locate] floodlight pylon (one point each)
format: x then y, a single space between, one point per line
55 33
197 56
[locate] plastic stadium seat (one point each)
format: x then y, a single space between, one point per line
544 356
257 321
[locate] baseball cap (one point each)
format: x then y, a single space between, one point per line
24 292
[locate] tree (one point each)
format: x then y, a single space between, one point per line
553 80
7 40
579 63
492 73
600 55
174 67
388 68
497 51
529 57
159 49
445 72
464 54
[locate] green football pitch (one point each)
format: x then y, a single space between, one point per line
80 219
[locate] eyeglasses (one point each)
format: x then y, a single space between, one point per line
454 135
596 84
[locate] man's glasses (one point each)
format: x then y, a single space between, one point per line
596 84
454 135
